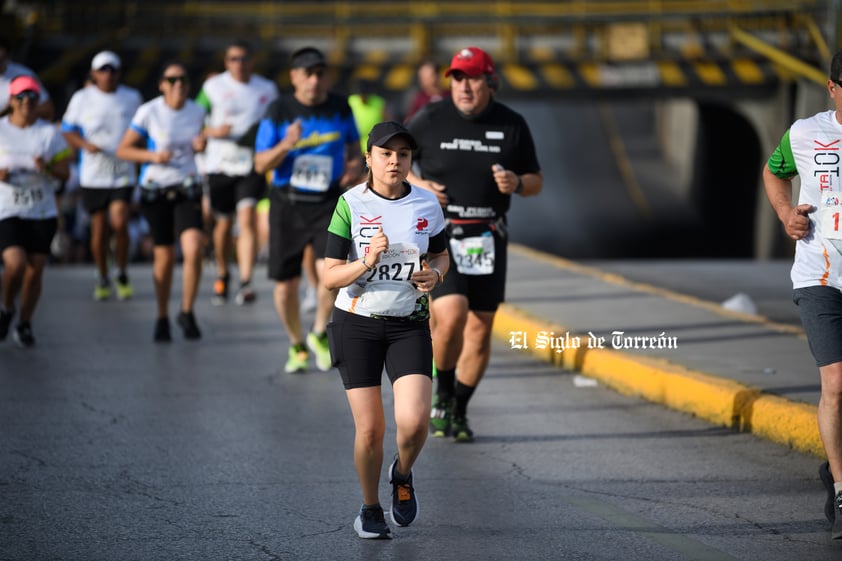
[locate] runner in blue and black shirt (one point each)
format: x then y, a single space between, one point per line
310 142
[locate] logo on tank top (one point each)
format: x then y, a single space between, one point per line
422 227
826 158
368 229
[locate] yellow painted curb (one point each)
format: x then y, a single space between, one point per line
716 400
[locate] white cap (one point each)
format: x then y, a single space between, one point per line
105 58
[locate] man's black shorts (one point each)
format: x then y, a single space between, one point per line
292 226
484 292
98 199
227 191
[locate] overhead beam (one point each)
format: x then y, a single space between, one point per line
777 56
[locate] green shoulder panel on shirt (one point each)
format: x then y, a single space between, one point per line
340 222
782 163
204 101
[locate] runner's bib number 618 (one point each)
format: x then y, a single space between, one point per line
234 159
106 165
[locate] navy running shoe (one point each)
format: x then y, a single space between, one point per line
370 524
404 501
23 335
187 322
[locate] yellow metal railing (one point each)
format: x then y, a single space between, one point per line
790 33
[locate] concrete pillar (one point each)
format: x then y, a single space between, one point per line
677 124
771 118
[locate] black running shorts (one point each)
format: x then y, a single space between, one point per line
35 236
360 347
292 226
168 219
226 191
99 199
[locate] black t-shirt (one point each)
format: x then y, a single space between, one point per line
459 152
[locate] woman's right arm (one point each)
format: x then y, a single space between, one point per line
130 151
339 273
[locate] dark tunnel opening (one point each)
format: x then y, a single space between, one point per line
724 185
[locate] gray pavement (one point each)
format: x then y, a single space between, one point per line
115 448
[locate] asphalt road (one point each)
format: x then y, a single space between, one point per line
113 448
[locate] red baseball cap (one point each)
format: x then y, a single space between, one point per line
22 84
473 61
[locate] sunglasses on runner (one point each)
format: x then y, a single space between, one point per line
28 94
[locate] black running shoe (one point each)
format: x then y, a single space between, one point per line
23 335
827 480
246 294
371 524
440 416
162 330
5 322
187 322
460 430
836 528
404 501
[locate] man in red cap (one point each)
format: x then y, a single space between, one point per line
475 154
310 142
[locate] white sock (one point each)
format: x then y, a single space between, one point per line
837 488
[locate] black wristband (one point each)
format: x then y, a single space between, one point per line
519 187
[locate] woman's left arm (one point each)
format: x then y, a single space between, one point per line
432 271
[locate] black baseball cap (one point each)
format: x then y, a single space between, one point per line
308 57
383 132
